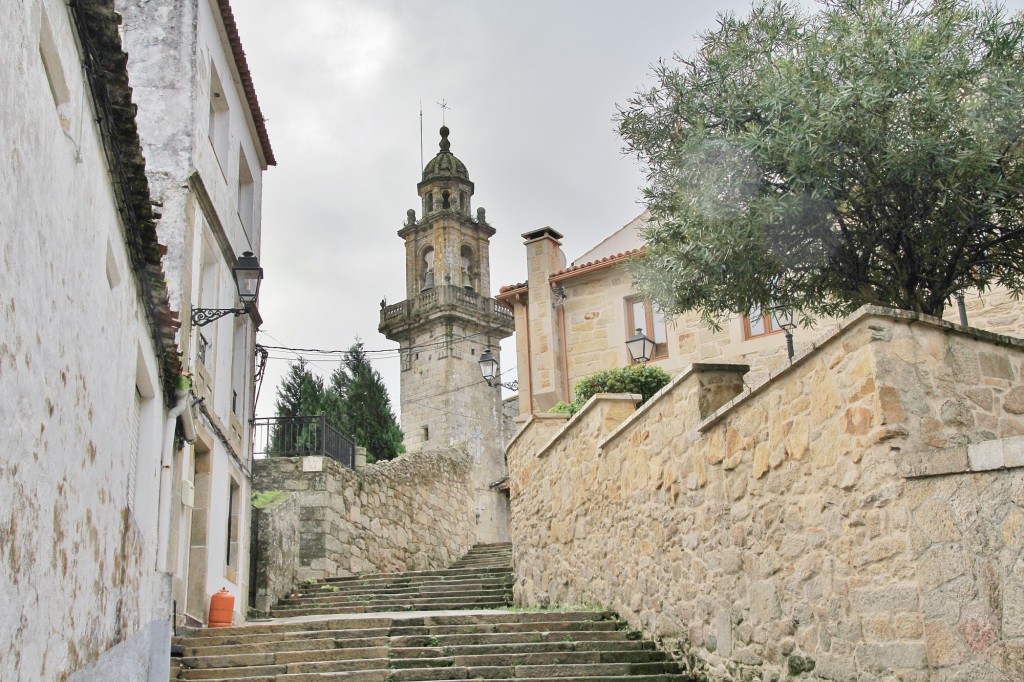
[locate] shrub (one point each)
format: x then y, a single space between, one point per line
643 379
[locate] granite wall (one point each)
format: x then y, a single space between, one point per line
415 512
858 516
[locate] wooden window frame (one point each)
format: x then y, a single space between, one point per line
660 349
770 326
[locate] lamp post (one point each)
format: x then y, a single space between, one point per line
784 317
248 275
489 370
640 347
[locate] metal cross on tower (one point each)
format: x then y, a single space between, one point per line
444 107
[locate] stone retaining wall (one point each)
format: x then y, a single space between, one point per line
412 513
859 516
276 549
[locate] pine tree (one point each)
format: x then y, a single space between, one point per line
366 408
301 394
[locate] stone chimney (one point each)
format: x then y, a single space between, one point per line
543 258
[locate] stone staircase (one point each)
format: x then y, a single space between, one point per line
480 580
431 644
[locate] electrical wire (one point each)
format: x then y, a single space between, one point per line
430 345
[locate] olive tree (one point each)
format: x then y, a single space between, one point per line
866 152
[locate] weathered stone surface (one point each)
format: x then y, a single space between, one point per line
412 513
822 516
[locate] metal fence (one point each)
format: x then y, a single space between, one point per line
299 436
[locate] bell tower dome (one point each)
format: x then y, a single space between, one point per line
443 327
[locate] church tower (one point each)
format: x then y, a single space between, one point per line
443 327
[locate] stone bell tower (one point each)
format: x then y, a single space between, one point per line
446 322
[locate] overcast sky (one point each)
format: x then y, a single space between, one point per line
532 87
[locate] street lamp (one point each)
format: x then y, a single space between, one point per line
640 347
489 370
784 318
248 275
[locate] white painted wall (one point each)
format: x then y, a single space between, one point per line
76 567
174 49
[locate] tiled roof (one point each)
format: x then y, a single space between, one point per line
243 71
595 264
106 67
509 289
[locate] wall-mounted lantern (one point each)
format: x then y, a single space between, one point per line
640 346
489 370
248 275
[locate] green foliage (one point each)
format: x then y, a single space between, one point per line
562 407
265 498
300 394
366 408
643 379
868 153
355 401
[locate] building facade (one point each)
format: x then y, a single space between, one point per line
443 327
573 320
206 148
88 359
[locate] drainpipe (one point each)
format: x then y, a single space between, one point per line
180 409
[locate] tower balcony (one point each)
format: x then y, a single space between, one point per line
446 301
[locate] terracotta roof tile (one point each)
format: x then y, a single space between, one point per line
243 71
594 264
512 287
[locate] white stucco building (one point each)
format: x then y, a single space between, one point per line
88 360
206 148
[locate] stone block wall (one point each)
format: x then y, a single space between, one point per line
858 516
415 512
276 549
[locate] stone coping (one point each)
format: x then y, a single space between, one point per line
530 419
589 406
861 314
692 370
989 455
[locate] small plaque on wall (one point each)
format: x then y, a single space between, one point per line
312 463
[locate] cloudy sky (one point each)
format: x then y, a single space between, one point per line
532 87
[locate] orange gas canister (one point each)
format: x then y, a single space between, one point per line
221 606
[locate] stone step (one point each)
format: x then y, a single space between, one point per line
488 624
502 579
486 643
438 658
475 589
453 572
267 658
611 671
397 608
421 646
504 648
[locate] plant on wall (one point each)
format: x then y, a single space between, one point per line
643 379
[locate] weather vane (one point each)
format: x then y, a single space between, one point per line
444 107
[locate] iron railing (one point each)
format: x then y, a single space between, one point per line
298 436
